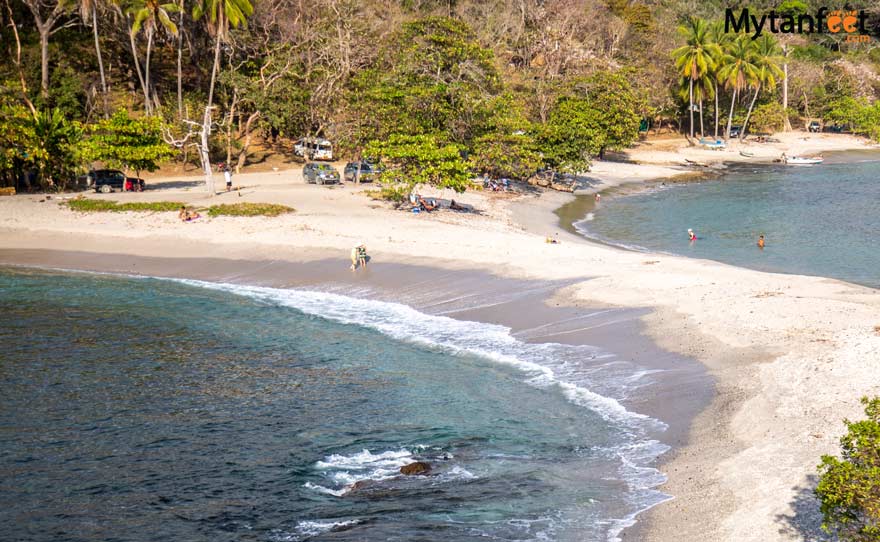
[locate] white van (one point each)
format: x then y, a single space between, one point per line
320 149
313 149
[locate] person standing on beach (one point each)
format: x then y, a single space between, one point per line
761 242
227 172
359 256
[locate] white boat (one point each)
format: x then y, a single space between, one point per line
803 161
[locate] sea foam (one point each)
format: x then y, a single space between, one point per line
565 368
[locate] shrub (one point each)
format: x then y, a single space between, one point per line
768 117
249 209
849 488
107 206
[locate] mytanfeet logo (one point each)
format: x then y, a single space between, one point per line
852 23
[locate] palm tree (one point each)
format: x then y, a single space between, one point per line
738 70
180 60
696 58
146 14
221 14
703 88
722 39
88 11
768 58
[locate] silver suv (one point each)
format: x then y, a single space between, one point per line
315 173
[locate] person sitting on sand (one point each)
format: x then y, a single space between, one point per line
691 235
761 242
186 215
428 205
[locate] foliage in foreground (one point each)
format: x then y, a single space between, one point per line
849 488
108 206
249 209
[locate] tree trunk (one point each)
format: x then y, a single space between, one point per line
215 68
242 154
691 108
716 108
742 134
730 116
204 155
44 60
179 64
100 59
701 117
147 64
229 126
206 122
137 67
806 105
787 123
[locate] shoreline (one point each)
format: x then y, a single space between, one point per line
578 208
527 307
791 354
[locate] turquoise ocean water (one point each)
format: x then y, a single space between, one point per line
817 220
138 409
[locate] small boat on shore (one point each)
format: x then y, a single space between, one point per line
802 161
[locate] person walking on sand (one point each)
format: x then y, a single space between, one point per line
761 242
359 256
691 235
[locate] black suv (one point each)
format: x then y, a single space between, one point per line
369 172
108 180
320 173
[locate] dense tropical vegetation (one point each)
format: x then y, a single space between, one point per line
849 487
497 87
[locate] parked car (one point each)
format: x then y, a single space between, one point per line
735 131
369 172
815 127
108 180
315 173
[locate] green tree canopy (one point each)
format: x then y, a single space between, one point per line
600 113
509 148
126 142
435 78
44 142
849 487
413 160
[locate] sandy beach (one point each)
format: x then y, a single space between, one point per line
790 355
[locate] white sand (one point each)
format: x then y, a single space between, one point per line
792 354
676 150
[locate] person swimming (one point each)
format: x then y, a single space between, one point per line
761 242
691 235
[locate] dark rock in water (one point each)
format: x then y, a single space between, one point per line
358 486
419 467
